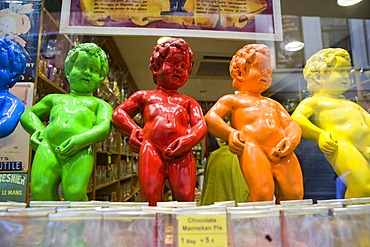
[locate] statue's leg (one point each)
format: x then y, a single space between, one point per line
256 169
76 174
45 174
182 177
289 179
152 174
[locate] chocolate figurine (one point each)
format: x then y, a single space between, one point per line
64 151
261 132
12 66
173 124
340 127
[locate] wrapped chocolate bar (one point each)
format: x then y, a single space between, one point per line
259 203
127 204
128 228
7 205
350 226
43 204
254 227
305 226
23 227
74 229
164 225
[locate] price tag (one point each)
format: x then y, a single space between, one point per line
202 230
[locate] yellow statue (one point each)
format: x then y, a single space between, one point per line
339 126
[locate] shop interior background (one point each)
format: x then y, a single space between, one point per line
318 24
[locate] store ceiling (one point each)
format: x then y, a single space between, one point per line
204 85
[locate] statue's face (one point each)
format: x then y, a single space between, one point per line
258 78
336 80
174 71
85 75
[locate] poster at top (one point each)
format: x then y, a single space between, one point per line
222 19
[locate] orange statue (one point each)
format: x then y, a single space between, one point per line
339 126
173 124
262 133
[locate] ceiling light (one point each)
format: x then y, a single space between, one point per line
346 3
294 46
162 40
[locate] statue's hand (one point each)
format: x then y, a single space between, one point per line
36 138
176 148
326 143
136 139
282 149
236 142
69 147
275 154
173 148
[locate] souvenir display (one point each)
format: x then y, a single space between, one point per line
12 66
173 125
340 127
261 131
64 145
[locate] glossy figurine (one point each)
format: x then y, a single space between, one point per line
261 132
64 151
339 126
173 124
12 66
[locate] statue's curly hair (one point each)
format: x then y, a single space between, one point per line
91 49
320 63
17 59
245 57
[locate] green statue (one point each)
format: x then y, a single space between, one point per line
64 146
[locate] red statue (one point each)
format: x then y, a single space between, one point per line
173 124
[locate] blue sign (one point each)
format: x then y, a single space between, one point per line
10 166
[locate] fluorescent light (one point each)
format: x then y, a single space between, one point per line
294 46
346 3
162 40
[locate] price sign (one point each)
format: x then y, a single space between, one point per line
202 230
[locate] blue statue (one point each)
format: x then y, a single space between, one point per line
12 66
